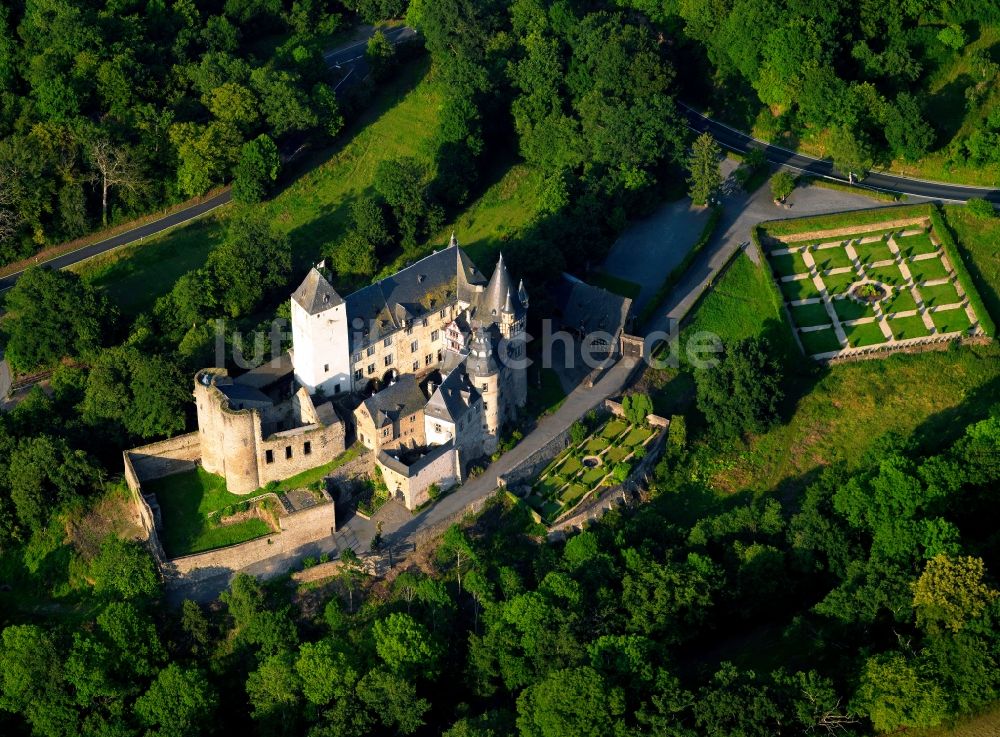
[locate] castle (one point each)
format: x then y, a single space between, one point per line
427 365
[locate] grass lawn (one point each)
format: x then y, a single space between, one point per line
504 208
806 316
127 274
908 327
570 467
545 392
313 210
832 258
986 724
928 269
873 251
979 242
820 341
798 289
595 445
951 321
616 454
304 479
550 510
638 436
614 428
914 245
591 477
848 309
839 283
939 294
888 274
788 264
186 500
900 301
572 495
614 284
868 333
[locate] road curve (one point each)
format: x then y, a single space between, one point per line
349 57
739 141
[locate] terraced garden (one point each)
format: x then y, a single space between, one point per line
917 288
588 466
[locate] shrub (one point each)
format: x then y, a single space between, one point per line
639 453
621 471
637 407
434 492
577 433
980 208
324 558
308 562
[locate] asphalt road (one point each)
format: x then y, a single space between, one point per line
349 58
738 141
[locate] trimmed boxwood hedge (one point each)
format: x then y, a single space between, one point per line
958 264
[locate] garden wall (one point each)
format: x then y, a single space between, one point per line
534 464
165 458
299 531
615 408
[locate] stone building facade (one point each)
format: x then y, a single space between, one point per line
260 427
430 357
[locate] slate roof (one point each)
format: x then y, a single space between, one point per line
590 309
453 398
395 401
315 294
482 352
392 459
267 373
238 393
425 286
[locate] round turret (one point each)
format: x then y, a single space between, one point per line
481 361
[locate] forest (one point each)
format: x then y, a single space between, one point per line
875 582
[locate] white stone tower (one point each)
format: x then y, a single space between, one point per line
321 351
484 373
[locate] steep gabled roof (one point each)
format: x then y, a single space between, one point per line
397 400
453 398
315 294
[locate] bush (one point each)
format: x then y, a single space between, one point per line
308 562
434 492
577 433
621 471
637 407
980 208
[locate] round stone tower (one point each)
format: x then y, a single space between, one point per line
484 373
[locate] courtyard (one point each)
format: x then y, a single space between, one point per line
876 285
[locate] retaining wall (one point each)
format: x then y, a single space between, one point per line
156 460
297 530
616 409
535 463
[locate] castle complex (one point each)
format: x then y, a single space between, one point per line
427 365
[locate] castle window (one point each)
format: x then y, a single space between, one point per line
357 374
385 433
387 342
388 360
307 448
357 358
371 350
371 368
437 427
486 387
413 347
442 313
409 330
435 334
416 365
425 322
485 406
268 456
428 359
288 451
336 388
326 368
439 356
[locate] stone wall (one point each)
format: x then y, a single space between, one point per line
298 530
444 470
616 409
165 458
534 464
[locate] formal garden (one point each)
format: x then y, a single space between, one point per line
601 454
893 283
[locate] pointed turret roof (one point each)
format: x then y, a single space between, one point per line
522 294
497 289
315 294
508 305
